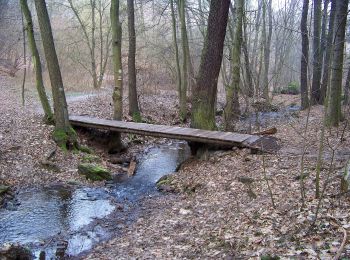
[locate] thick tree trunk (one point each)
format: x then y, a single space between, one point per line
37 64
334 112
317 58
115 142
304 57
232 102
205 89
64 134
184 79
328 55
134 110
176 48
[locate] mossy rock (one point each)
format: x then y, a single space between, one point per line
4 189
164 184
90 158
85 149
165 180
94 172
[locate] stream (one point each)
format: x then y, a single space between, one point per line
81 217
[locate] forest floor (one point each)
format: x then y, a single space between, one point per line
220 207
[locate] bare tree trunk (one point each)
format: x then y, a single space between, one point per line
328 55
64 135
249 90
91 43
48 116
176 48
256 37
134 110
347 89
104 45
323 46
232 102
267 45
184 40
24 58
205 89
191 77
317 58
334 112
115 142
304 57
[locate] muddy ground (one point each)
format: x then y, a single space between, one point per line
234 205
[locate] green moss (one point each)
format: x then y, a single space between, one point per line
85 149
49 120
293 88
136 117
60 137
65 138
89 158
202 119
94 172
3 189
165 180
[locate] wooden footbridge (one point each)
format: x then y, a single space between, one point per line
172 132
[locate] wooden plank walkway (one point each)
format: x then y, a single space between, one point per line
172 132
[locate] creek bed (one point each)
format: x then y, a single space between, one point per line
85 216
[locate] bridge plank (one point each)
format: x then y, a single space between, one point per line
173 132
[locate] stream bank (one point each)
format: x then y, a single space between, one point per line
76 218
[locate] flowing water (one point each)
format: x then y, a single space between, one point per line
46 216
266 119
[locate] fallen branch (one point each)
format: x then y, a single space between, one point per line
132 168
341 248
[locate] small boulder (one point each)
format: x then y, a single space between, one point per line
164 184
4 189
94 172
15 251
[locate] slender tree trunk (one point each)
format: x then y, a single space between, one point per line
347 89
191 77
232 102
334 114
205 89
328 55
247 63
37 64
267 46
176 48
323 45
93 44
256 37
25 59
134 110
64 134
304 57
184 79
115 142
317 58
